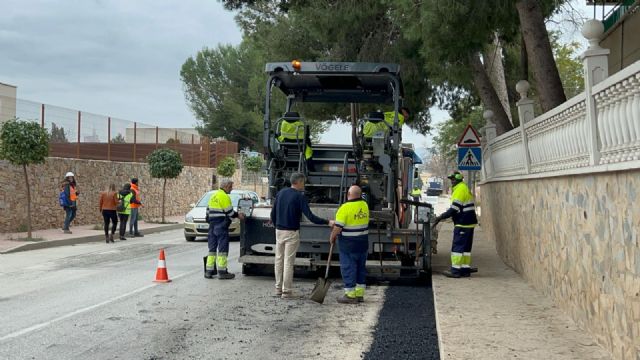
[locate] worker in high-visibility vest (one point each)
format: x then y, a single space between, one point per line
403 114
219 213
463 212
308 153
415 193
352 230
374 122
291 128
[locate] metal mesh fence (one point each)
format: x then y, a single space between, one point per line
80 134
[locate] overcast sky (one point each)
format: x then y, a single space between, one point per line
119 57
114 57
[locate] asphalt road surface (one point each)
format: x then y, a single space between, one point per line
98 301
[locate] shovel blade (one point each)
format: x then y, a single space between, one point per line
320 290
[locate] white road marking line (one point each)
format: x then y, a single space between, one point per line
88 308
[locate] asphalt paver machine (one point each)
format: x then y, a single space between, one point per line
400 243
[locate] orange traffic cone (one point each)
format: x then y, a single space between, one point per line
161 273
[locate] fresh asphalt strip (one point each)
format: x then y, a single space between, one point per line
406 326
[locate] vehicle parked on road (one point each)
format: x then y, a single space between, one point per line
194 222
435 187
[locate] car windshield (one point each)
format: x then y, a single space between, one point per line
205 200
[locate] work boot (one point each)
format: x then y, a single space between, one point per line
122 238
225 275
106 238
449 274
290 296
138 235
344 299
208 274
111 238
360 298
474 269
278 293
67 231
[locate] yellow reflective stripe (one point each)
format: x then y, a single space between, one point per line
466 260
356 227
355 233
222 261
211 261
466 226
456 260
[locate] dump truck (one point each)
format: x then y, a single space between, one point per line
400 243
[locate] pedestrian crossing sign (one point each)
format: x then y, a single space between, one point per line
469 158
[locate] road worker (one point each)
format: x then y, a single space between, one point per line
416 193
352 229
403 114
374 122
219 213
463 212
291 128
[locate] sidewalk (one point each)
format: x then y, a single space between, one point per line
10 242
496 315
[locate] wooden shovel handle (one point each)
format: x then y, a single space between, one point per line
326 273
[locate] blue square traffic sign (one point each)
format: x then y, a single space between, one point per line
469 158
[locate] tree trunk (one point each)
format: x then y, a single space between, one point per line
540 55
524 63
495 71
164 185
26 183
488 94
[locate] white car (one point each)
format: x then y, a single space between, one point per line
194 222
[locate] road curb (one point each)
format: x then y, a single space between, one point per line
81 240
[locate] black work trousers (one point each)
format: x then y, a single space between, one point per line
123 223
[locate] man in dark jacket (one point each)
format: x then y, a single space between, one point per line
286 213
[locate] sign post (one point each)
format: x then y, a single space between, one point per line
470 154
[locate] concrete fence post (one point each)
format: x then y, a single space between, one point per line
490 133
526 113
595 62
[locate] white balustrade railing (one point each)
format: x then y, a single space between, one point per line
507 155
558 138
565 138
618 113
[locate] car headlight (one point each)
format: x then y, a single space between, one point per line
188 218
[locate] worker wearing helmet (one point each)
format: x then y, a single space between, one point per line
352 229
70 189
463 212
219 213
291 128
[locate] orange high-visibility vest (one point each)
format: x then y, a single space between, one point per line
136 192
72 193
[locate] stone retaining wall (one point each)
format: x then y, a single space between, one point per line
577 239
93 177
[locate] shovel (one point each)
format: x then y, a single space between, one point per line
322 284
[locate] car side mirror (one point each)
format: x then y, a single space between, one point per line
245 206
